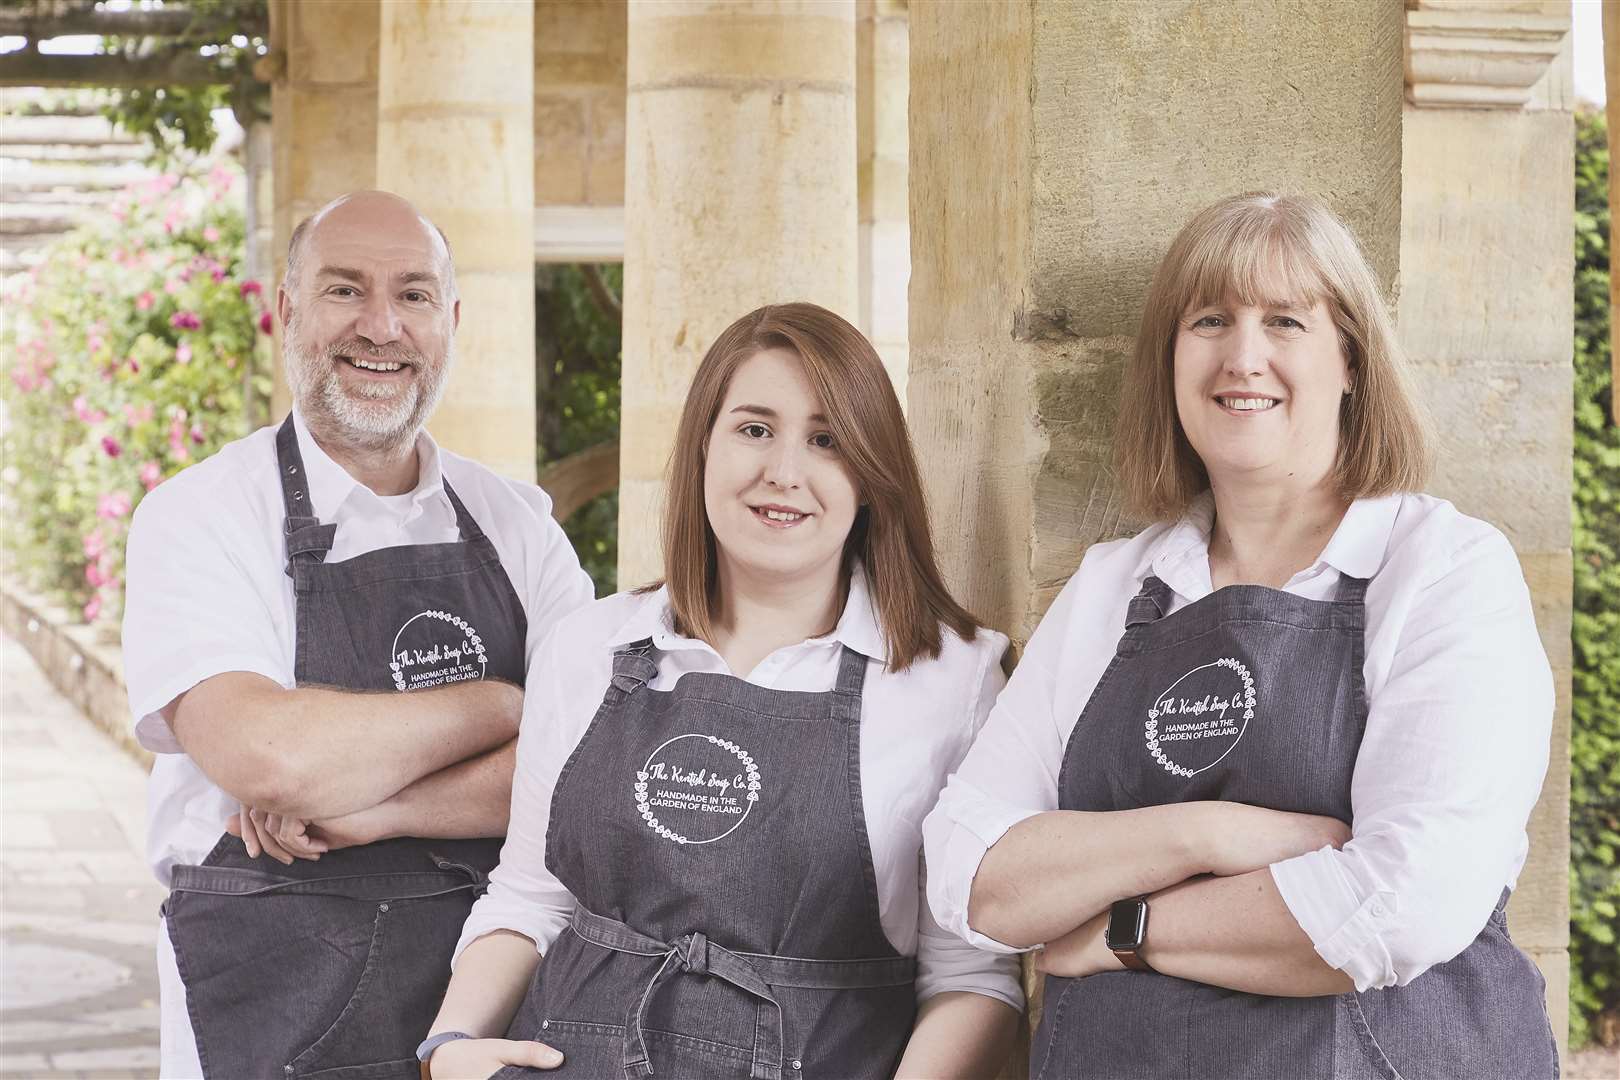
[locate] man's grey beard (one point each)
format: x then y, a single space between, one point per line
386 422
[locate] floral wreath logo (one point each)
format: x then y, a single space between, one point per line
474 642
645 773
1152 726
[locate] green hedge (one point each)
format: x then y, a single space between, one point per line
1594 873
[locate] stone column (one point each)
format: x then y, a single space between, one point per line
740 191
1485 315
1611 72
1056 148
323 104
455 135
882 90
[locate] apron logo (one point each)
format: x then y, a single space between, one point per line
1204 714
435 648
701 785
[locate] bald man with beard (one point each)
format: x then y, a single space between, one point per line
327 628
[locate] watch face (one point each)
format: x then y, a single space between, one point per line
1127 920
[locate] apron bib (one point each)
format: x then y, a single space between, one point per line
1255 695
714 839
334 969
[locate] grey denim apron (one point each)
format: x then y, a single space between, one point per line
334 969
714 839
1255 695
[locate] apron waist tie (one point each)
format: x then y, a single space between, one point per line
755 973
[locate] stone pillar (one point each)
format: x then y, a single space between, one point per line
260 255
455 135
740 191
1056 148
1485 315
882 90
323 104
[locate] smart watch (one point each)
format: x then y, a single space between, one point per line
1127 932
425 1049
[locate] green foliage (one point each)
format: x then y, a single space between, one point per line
130 353
577 385
1595 739
175 118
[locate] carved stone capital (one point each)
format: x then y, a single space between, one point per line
1478 54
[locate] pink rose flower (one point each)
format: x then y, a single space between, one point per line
197 433
110 446
252 288
211 235
112 506
138 414
185 320
265 325
182 355
94 545
151 475
171 286
92 576
93 608
145 301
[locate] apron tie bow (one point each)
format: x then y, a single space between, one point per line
693 952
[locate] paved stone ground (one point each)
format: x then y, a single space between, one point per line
78 906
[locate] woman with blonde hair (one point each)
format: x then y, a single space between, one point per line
1259 784
716 815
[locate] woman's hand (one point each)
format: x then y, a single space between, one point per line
479 1059
281 838
1082 951
1239 838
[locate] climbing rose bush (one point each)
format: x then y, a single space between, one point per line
130 352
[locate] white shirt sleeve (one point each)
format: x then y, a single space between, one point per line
523 895
1011 773
556 584
192 607
1450 766
945 961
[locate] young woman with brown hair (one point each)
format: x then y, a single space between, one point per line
716 815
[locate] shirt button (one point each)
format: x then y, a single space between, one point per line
1378 910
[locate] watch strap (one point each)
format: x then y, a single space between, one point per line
425 1048
1131 959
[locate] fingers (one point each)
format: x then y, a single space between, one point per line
535 1055
294 837
267 839
249 835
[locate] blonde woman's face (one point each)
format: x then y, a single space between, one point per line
779 496
1258 390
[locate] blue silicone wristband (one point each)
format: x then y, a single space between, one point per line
433 1042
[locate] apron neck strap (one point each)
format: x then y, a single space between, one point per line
634 666
851 673
465 522
1350 590
306 536
1149 605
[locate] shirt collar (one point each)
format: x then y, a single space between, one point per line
331 485
1180 558
857 626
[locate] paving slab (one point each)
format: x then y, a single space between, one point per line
78 906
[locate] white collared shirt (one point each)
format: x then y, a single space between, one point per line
208 591
915 727
1460 710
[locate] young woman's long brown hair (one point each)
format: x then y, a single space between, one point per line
890 535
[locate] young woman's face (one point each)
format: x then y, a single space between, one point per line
1258 389
779 497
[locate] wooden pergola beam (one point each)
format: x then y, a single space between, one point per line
38 25
178 68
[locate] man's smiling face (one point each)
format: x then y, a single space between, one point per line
370 322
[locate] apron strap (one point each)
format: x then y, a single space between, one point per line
306 536
634 666
754 973
851 673
1350 590
466 524
1149 605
